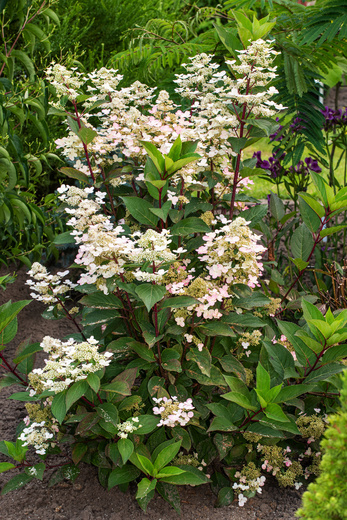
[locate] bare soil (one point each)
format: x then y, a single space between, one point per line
86 499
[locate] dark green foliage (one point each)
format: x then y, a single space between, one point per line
326 499
25 157
94 29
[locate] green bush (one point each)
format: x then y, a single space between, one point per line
326 499
25 158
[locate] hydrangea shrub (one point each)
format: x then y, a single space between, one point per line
179 372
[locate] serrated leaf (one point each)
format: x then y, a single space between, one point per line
139 209
150 294
189 226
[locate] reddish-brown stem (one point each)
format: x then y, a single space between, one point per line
85 148
12 370
250 418
109 194
87 401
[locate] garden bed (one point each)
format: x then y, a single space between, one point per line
86 499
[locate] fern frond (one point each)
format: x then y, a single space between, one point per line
328 21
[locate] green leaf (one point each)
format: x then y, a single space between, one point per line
9 311
75 392
5 466
93 381
191 476
147 423
176 149
257 299
244 320
36 471
311 312
169 471
268 126
335 353
145 463
16 482
222 424
170 360
324 372
162 212
126 449
299 264
27 351
225 497
265 430
303 352
183 161
331 230
78 452
289 392
255 214
228 36
140 210
178 301
63 239
26 61
150 294
8 333
239 393
276 207
231 364
142 350
263 379
117 387
309 216
75 174
302 242
87 135
123 475
58 408
203 359
144 487
313 204
99 300
170 494
108 412
189 226
217 328
274 411
321 186
166 455
155 155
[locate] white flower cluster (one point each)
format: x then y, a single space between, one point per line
68 362
232 253
38 436
66 82
151 247
172 412
127 116
129 426
252 485
104 249
48 287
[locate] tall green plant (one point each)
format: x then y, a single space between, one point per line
24 135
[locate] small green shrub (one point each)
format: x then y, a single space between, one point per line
326 499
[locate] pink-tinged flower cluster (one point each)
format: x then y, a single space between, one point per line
172 412
123 117
232 253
